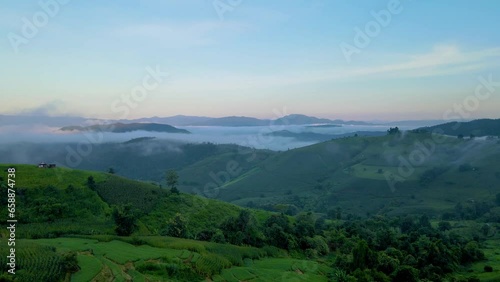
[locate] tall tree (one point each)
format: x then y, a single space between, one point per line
91 183
125 220
392 131
172 181
177 226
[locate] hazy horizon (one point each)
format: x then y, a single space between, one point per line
332 117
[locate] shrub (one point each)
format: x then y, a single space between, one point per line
218 237
69 262
444 225
488 268
406 273
149 267
430 175
136 241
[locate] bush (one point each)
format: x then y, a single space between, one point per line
340 275
69 262
430 175
218 237
136 241
406 273
472 253
272 251
149 267
444 225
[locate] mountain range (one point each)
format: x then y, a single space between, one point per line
178 120
184 120
293 119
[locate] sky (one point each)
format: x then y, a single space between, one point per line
364 60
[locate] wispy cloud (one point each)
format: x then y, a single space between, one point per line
185 34
443 60
52 108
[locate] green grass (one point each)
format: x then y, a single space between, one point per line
51 202
137 276
30 176
492 252
116 270
89 268
372 172
276 269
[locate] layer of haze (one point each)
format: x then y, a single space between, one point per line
253 136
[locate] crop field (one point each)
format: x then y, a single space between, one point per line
118 190
38 263
276 269
112 258
117 251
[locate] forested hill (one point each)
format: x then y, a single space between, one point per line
127 127
405 173
478 128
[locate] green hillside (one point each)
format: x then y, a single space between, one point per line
479 128
92 226
64 198
79 209
140 159
368 175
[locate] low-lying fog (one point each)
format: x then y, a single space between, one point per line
251 136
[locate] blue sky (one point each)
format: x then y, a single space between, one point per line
253 58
